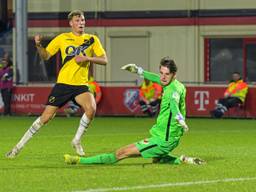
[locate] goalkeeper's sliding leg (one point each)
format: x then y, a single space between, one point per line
106 158
146 148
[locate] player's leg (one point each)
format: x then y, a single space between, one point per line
110 158
87 102
159 150
191 160
224 105
7 108
154 107
71 109
107 158
220 109
6 96
47 115
144 107
232 102
162 155
168 159
59 95
128 151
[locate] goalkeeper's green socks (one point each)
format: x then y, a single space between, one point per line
107 158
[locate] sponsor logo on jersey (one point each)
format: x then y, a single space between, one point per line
71 51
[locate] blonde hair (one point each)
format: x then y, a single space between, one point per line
75 13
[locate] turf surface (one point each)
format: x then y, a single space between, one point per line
228 146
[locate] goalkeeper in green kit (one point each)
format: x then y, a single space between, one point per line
165 134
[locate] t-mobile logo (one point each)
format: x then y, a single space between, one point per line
201 98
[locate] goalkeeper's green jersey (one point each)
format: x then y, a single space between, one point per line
173 102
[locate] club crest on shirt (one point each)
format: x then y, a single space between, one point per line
51 99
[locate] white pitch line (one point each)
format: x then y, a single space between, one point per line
168 185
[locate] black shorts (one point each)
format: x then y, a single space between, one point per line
62 93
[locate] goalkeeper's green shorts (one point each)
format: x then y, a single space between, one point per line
155 147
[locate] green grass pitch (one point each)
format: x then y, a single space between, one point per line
228 146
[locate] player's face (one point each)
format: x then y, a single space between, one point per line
5 63
235 77
77 24
165 76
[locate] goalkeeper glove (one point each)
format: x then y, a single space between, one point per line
182 122
133 68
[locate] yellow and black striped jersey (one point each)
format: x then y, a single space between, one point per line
70 45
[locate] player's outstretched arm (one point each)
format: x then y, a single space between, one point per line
41 50
152 77
133 68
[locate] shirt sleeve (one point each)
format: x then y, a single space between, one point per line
177 105
174 103
54 46
152 77
97 47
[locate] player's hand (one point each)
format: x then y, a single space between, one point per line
184 126
133 68
38 39
80 59
182 122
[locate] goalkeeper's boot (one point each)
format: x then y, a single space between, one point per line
71 159
78 147
191 160
13 153
156 160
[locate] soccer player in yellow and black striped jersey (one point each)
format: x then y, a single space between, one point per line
78 50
